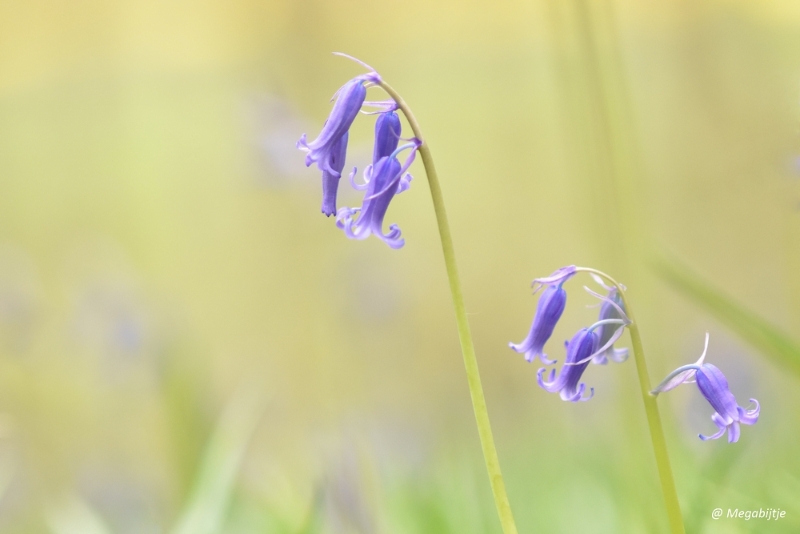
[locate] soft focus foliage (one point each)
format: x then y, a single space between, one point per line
185 340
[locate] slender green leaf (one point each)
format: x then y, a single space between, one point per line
213 488
765 337
74 516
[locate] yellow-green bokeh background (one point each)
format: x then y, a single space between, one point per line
162 252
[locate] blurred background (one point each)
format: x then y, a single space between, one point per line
188 346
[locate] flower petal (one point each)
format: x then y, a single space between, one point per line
720 425
749 417
558 277
714 387
548 311
733 432
619 355
552 385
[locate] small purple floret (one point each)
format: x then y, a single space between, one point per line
607 331
329 149
387 178
548 311
579 352
728 415
348 103
330 180
387 135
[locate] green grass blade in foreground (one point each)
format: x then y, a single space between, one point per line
74 516
313 520
774 343
213 488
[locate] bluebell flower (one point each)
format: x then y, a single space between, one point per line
728 415
612 307
328 149
548 311
387 135
580 351
386 179
330 180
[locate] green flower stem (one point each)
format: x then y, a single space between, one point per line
467 349
653 417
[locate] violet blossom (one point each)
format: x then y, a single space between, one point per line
387 135
329 148
579 353
330 180
612 307
386 179
548 311
582 349
713 385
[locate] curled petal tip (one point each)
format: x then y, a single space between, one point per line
559 276
351 58
620 355
546 360
302 143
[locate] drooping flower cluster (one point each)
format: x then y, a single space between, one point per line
383 179
713 385
594 344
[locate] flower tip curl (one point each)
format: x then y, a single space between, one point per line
559 276
372 76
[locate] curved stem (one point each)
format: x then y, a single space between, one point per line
653 416
467 348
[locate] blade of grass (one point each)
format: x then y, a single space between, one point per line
213 488
73 516
763 336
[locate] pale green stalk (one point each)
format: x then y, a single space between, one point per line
467 348
653 417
